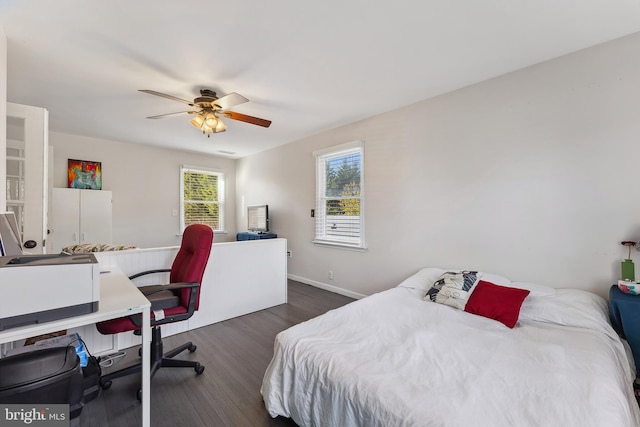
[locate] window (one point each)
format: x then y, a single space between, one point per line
339 190
201 197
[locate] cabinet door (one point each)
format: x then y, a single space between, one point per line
27 175
95 216
65 218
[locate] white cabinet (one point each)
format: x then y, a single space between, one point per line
80 216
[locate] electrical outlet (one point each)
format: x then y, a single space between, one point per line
289 254
330 274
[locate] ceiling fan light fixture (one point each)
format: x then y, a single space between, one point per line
197 121
211 120
220 127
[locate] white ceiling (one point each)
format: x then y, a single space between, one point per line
307 66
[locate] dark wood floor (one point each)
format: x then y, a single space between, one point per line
235 354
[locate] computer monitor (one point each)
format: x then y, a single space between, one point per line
258 218
10 240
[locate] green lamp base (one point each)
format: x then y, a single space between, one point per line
628 272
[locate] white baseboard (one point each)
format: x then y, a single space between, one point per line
326 287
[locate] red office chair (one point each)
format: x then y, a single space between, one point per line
179 300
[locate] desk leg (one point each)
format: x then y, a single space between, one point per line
146 368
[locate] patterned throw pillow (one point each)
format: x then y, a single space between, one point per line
453 288
86 248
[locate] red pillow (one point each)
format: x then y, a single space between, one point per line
496 302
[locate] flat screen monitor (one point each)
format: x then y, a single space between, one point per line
258 218
10 241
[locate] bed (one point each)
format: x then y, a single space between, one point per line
399 358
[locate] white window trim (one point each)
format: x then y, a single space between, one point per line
337 150
221 193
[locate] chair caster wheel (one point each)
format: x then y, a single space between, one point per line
139 395
105 385
192 348
199 369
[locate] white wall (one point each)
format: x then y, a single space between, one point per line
3 117
145 182
532 175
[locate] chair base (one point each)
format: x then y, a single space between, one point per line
158 360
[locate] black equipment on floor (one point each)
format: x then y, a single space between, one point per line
49 376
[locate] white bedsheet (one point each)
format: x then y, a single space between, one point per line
392 359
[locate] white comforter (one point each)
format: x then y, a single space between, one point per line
392 359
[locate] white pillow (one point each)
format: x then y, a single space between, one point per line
422 281
534 289
496 279
569 307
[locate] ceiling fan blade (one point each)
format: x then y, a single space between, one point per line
230 100
160 116
164 95
247 119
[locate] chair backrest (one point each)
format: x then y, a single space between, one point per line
191 259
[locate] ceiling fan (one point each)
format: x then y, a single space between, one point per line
208 110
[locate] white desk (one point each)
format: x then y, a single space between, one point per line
118 297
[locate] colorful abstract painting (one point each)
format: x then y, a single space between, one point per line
85 174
